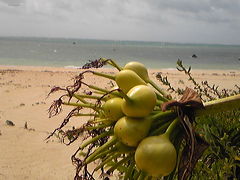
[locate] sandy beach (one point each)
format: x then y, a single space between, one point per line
24 153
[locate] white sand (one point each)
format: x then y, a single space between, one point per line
23 90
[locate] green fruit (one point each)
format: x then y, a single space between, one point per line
141 102
138 68
142 72
156 156
130 131
112 109
127 79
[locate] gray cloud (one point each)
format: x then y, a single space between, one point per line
212 11
216 21
12 2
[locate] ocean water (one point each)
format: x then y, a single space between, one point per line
62 52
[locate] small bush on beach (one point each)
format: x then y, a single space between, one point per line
221 160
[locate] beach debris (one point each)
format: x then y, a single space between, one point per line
194 56
25 125
22 104
9 123
0 133
180 81
94 64
27 128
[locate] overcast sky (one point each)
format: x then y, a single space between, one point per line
194 21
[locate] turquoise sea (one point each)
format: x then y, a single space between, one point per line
64 52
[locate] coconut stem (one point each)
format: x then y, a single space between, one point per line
105 146
92 106
112 156
122 161
161 129
108 76
97 88
215 106
136 175
161 115
101 90
99 126
159 90
219 105
142 176
88 114
81 96
100 120
104 134
114 64
171 127
104 153
128 174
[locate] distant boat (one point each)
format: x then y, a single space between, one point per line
194 56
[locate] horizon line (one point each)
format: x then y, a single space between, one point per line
119 40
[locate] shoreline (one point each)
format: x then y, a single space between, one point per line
72 69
